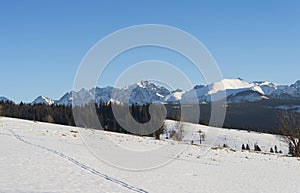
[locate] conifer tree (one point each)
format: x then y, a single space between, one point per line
247 147
243 147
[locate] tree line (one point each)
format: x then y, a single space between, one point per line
61 114
257 117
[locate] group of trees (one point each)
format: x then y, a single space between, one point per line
257 148
245 147
290 128
62 114
59 114
275 150
118 118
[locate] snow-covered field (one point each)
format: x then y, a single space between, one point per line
41 157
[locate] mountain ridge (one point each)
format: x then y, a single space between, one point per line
145 91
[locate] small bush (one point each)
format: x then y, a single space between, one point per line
177 133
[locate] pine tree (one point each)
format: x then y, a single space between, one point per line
291 149
247 147
243 147
256 148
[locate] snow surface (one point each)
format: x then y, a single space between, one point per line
233 85
42 157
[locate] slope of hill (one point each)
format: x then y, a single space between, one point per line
41 157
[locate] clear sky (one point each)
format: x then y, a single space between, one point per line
43 42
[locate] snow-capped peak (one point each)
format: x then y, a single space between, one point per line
43 100
4 99
296 84
232 84
265 83
147 84
143 92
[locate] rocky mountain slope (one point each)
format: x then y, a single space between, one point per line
235 91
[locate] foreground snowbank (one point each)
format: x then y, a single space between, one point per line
41 157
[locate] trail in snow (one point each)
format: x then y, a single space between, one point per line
81 165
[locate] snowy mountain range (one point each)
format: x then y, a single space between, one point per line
4 99
236 91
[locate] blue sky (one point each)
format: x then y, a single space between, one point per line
43 42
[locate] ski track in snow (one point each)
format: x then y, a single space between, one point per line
81 165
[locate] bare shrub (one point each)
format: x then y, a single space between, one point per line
178 132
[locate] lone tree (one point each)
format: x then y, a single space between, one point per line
256 148
276 150
247 147
243 147
290 128
178 132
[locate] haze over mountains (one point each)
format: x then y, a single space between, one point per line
237 91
